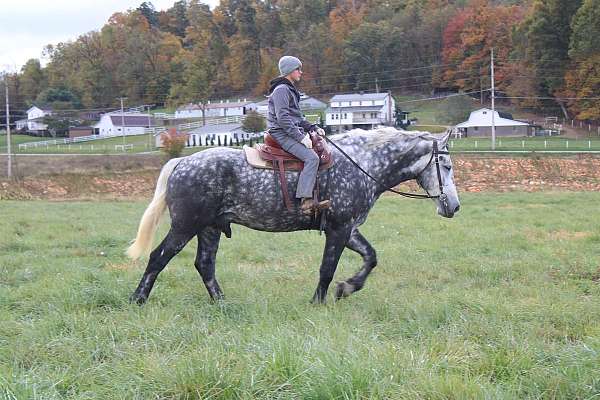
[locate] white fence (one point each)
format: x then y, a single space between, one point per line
80 139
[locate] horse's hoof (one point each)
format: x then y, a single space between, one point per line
343 289
137 299
318 301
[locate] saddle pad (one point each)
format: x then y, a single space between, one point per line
255 160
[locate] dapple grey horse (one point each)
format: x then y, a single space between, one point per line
207 191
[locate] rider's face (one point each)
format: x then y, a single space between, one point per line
295 75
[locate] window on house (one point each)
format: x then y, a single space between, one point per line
476 128
364 115
345 116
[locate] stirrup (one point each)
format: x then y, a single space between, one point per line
309 207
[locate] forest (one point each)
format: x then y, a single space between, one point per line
547 55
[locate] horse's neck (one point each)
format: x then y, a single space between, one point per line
398 162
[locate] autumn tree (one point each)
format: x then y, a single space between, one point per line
468 40
582 79
541 51
32 80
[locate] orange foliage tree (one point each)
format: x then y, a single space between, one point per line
468 40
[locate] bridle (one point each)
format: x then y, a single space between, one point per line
434 157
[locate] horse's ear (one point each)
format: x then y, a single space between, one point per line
443 139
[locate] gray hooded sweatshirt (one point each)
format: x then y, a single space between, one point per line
284 119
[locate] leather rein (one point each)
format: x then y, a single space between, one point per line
434 156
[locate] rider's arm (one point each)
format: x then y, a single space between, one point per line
281 104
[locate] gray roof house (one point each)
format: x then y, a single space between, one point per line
479 124
360 110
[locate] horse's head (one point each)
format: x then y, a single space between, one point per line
437 177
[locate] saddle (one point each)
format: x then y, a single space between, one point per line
270 155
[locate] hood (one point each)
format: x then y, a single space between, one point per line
283 81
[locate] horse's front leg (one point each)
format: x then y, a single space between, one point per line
359 244
334 246
208 244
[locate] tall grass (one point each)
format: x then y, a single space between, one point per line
500 302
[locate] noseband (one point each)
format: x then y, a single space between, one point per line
434 156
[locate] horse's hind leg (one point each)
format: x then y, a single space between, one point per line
359 244
208 244
172 244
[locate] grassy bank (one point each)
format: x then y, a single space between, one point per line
500 302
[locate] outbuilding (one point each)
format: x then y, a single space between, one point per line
479 124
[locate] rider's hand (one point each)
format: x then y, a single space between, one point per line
320 132
306 141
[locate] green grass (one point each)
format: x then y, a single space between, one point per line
15 140
141 143
500 302
554 143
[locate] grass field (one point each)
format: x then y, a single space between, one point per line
500 302
139 144
555 143
15 140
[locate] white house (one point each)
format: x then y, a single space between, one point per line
223 108
307 104
35 118
218 134
189 111
22 124
116 124
226 108
479 124
360 110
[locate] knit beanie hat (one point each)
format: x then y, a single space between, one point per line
287 64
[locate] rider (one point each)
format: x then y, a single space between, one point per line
290 129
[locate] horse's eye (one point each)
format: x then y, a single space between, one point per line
448 167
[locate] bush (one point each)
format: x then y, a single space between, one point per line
254 122
173 142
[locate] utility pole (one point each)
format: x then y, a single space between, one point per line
493 104
8 149
376 85
149 133
389 118
480 86
123 121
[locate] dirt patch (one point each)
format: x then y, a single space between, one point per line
563 234
134 176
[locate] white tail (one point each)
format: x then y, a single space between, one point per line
142 244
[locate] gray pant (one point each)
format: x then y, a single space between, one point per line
306 181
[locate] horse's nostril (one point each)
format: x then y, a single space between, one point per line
456 209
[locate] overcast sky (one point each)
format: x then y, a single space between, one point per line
26 26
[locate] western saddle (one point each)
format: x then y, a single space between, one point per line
270 155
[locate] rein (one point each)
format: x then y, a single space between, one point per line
434 155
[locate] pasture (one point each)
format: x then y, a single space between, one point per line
502 301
